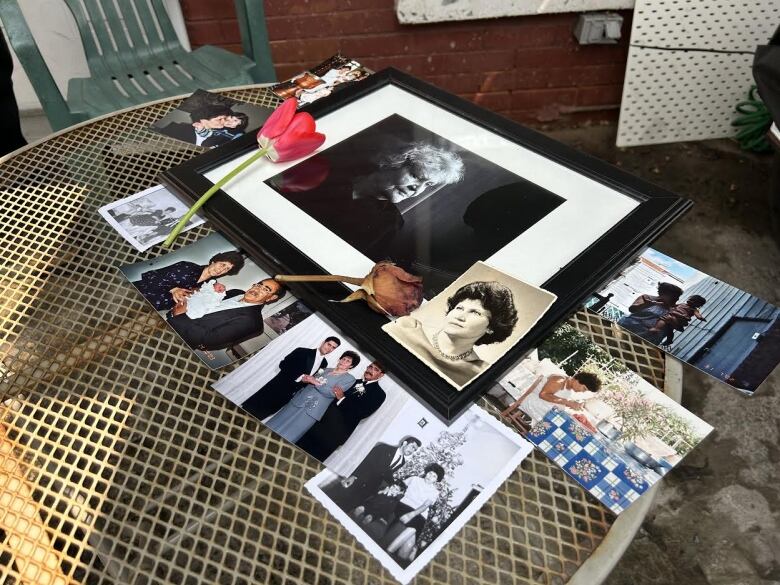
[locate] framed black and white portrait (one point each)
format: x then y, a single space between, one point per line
413 174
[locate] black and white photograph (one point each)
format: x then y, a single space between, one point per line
146 218
210 120
699 319
213 297
401 192
414 486
317 390
470 324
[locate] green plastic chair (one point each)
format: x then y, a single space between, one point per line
135 63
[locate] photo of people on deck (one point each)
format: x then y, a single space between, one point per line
398 191
470 324
608 428
213 297
410 487
701 320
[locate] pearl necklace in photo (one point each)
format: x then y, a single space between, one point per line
447 356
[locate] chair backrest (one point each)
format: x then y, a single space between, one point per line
124 35
254 38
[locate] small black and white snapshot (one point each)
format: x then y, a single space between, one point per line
462 331
398 191
210 120
416 484
146 218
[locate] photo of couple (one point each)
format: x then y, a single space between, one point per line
398 191
470 324
210 120
418 483
705 322
213 297
603 424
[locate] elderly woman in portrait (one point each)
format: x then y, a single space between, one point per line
361 198
479 313
166 286
309 404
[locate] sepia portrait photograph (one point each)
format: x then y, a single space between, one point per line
471 323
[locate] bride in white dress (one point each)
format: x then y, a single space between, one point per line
550 390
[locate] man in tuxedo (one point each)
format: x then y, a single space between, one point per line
359 401
373 473
236 318
295 371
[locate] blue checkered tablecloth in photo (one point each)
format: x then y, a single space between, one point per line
586 458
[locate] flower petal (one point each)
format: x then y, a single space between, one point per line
302 123
291 146
279 120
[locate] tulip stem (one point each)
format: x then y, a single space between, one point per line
317 278
207 195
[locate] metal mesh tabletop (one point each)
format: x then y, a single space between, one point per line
120 464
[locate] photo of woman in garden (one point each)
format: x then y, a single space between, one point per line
603 424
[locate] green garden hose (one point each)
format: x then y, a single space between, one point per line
754 122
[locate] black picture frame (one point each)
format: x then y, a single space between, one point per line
656 210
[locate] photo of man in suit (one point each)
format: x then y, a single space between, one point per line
236 318
295 371
358 402
373 473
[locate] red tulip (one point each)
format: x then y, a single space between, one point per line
286 135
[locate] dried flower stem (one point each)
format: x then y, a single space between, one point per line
317 278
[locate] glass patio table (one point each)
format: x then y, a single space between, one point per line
120 464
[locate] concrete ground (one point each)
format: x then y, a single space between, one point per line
717 518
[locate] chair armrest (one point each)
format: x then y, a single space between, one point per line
254 39
23 44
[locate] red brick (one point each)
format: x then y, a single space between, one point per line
570 56
445 63
205 32
526 36
599 95
497 102
207 10
456 41
475 82
539 98
312 51
569 76
288 7
376 45
337 24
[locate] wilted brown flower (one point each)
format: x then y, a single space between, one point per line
388 289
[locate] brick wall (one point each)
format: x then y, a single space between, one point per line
529 68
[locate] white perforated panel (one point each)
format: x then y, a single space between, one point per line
672 94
